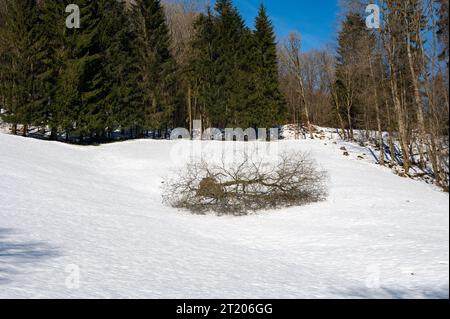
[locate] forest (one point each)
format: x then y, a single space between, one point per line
130 67
139 68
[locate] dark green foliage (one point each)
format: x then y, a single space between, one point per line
203 64
20 87
50 55
157 66
117 71
270 105
218 66
234 70
123 100
231 68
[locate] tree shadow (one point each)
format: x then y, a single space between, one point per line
440 292
15 255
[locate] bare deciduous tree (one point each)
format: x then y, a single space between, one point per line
246 185
291 58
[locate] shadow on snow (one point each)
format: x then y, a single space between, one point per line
15 255
438 292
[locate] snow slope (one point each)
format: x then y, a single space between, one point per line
88 222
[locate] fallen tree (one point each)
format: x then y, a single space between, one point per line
245 185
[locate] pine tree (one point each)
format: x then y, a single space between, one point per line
90 49
123 99
203 63
235 71
220 66
157 66
232 69
21 65
269 103
50 45
4 59
81 89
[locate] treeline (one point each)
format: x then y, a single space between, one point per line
127 69
391 83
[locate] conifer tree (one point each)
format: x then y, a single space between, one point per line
3 57
157 66
81 88
50 44
232 69
21 64
90 49
269 102
203 64
221 66
123 100
235 71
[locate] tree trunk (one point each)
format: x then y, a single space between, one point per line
377 113
189 101
305 105
53 134
390 44
417 101
402 132
350 124
338 111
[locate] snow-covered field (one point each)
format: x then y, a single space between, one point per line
88 222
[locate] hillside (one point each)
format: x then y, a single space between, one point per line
99 210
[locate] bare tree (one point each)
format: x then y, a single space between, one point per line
328 65
246 185
391 36
291 58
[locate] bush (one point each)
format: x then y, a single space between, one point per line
246 185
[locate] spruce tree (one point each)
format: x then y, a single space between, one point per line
123 100
157 66
5 61
3 58
203 66
20 89
269 104
50 45
81 88
220 66
90 50
232 69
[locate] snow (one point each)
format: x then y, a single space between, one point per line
364 149
4 128
88 222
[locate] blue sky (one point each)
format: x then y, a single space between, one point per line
314 19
